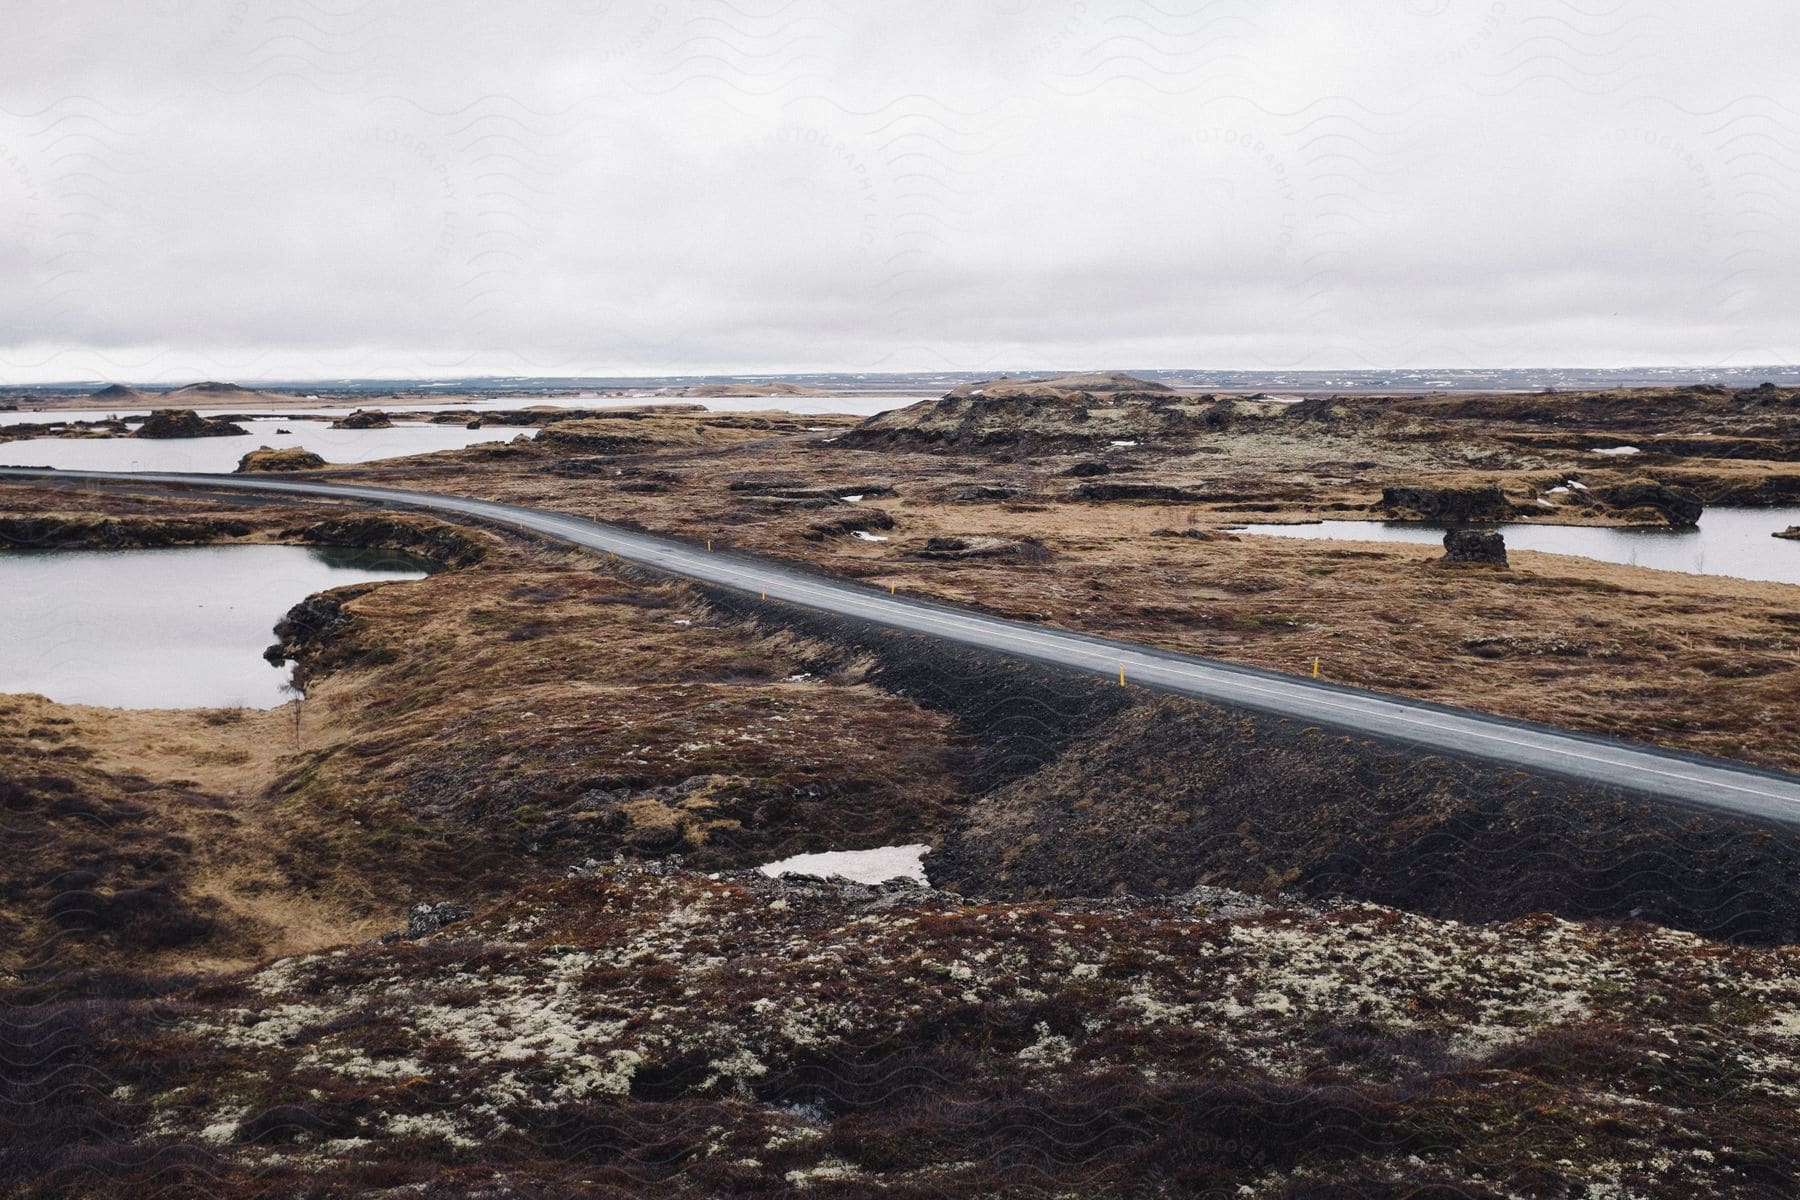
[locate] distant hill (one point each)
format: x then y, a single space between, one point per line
213 393
210 389
118 393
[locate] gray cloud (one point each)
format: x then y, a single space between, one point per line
289 189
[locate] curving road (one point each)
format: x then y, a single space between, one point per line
1690 780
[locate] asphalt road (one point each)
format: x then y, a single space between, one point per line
1690 780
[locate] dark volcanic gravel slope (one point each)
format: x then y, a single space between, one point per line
1176 793
1087 789
1015 716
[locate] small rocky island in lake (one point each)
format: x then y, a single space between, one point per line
263 458
186 423
364 418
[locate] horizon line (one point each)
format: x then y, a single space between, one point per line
785 376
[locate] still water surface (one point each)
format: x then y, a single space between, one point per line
1728 541
166 628
865 404
215 455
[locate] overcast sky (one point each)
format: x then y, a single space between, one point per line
282 189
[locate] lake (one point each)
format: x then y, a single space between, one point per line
866 404
167 628
1728 541
219 455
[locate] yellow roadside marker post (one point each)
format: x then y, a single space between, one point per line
1315 668
1121 674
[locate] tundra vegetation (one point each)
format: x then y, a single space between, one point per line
480 917
1105 505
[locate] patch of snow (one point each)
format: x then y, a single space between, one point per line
863 536
1617 451
851 499
858 866
802 678
1578 485
1124 443
682 621
1545 502
1559 491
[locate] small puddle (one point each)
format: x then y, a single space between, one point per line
1736 542
167 628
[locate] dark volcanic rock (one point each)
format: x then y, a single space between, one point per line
1092 383
1769 491
801 492
1087 470
805 491
431 540
1767 395
1135 491
1325 410
308 623
1026 550
861 521
986 491
1457 504
1198 535
186 423
1792 532
364 418
427 919
112 533
1673 505
779 504
292 459
764 487
1474 546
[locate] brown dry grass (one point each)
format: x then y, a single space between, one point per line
111 802
1700 663
541 702
465 732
